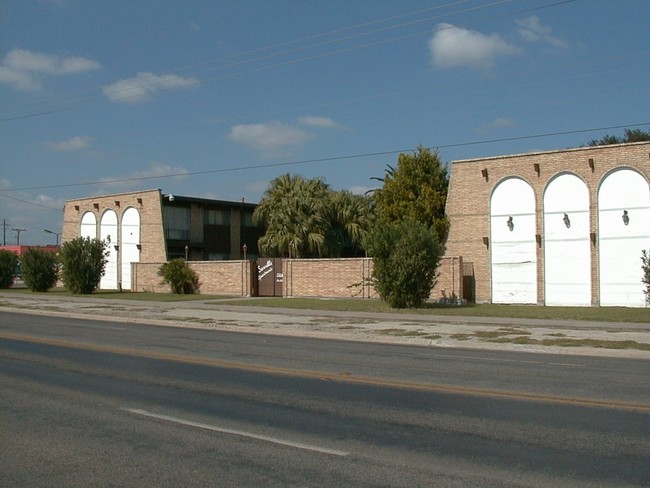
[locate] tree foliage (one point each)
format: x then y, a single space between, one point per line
8 264
182 279
40 269
416 188
305 218
83 263
406 255
645 265
631 135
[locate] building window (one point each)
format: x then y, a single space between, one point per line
177 223
247 220
217 217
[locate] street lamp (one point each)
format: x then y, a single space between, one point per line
244 248
187 250
57 234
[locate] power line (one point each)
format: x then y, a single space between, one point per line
303 59
318 160
30 203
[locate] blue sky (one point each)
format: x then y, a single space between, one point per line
220 97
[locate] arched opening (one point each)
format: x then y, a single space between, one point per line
130 244
88 226
567 247
624 231
512 242
108 234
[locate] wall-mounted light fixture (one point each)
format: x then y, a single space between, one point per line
486 241
139 201
510 223
139 246
117 203
117 247
484 172
566 220
626 217
96 205
593 238
592 165
536 168
538 239
76 207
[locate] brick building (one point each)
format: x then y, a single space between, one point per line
556 228
147 226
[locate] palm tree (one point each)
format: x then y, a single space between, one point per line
293 211
351 217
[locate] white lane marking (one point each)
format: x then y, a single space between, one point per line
274 440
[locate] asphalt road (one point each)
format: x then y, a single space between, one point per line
107 404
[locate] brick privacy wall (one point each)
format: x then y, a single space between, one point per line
340 278
216 277
328 278
147 203
449 283
468 201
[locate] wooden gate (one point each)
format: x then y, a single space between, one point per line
269 277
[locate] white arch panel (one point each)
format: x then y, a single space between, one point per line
567 247
108 234
88 226
513 251
129 247
620 239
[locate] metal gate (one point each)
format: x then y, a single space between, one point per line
269 277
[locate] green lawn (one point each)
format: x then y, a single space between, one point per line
604 314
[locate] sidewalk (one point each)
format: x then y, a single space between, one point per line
530 335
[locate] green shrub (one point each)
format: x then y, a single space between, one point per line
406 256
645 265
8 265
40 269
83 262
182 279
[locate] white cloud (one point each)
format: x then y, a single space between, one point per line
134 179
531 30
321 122
497 124
359 190
145 85
269 136
23 69
73 144
453 46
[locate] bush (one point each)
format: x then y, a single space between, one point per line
40 269
8 264
180 277
645 265
83 262
406 256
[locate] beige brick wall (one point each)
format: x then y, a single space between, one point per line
449 284
340 278
216 277
147 203
328 278
468 202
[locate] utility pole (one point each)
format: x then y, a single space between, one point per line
4 231
18 231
